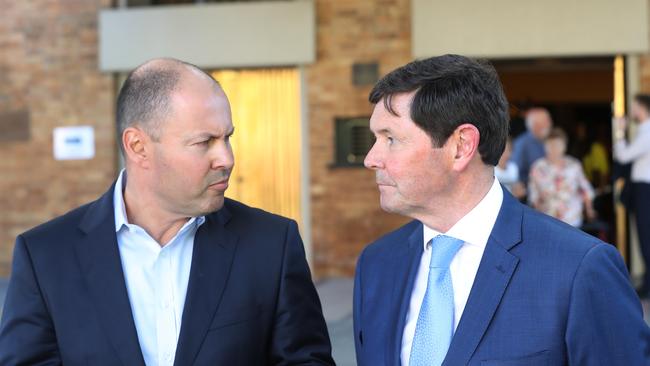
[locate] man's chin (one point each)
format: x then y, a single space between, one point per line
388 206
214 205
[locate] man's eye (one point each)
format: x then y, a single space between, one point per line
390 140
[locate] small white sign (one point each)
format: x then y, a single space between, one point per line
74 143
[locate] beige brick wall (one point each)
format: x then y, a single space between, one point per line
345 202
48 65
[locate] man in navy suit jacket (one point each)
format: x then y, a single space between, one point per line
162 269
526 289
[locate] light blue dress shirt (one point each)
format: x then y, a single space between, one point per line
156 280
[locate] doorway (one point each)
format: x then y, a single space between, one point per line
266 114
579 92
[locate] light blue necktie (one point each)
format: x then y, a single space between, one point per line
435 325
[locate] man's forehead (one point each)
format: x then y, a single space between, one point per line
393 106
540 115
190 92
378 119
213 130
385 123
398 103
201 128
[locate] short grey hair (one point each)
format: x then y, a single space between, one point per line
145 99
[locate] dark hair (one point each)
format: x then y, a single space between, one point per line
145 97
451 90
643 100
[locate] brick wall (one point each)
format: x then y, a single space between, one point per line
345 202
48 68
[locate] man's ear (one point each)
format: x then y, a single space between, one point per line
465 140
137 146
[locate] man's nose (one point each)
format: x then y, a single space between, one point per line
372 160
222 157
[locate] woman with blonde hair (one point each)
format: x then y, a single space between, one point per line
557 185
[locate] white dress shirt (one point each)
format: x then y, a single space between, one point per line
637 152
156 280
474 229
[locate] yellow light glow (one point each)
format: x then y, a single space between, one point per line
619 111
619 86
266 114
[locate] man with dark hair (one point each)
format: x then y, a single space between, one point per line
162 269
637 152
477 277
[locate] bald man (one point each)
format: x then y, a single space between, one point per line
529 147
162 269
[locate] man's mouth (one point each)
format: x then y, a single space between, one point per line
220 185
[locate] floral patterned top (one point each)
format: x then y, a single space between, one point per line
559 190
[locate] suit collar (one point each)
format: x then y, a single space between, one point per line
507 231
223 216
214 251
406 259
119 208
101 266
100 262
494 273
474 228
100 213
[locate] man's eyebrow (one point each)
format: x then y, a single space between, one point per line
211 135
383 131
201 135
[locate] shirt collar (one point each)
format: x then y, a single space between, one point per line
120 209
645 126
475 227
118 201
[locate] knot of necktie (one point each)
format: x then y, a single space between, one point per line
443 250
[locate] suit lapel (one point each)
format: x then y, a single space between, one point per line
214 250
494 273
406 259
101 266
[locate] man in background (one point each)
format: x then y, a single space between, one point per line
477 278
529 146
162 269
637 152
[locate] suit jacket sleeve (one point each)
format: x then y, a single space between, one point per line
605 322
300 335
26 333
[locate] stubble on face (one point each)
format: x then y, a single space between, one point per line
192 173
